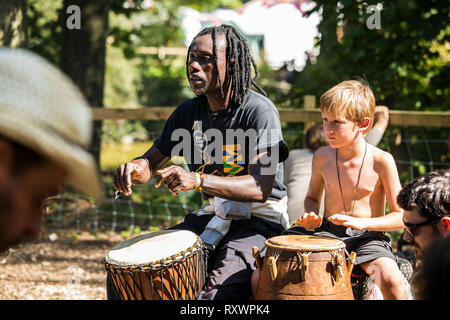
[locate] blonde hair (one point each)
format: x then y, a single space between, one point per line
353 98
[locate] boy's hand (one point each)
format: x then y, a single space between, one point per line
309 221
347 221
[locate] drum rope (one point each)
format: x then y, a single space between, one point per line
334 254
115 279
276 255
302 256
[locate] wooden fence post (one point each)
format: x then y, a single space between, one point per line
309 103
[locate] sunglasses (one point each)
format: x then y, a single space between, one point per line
412 228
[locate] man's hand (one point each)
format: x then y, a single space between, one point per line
348 221
176 179
135 172
309 221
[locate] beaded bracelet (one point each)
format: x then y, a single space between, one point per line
198 181
200 185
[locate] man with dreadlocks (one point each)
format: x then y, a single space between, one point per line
233 145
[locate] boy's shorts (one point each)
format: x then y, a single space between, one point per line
368 245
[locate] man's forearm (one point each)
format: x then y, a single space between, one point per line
151 161
243 188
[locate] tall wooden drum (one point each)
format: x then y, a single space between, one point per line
163 265
301 267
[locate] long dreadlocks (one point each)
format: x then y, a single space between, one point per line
238 61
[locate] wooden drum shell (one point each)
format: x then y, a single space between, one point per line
182 280
289 284
178 276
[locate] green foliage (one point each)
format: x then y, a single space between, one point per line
121 78
44 28
394 236
406 61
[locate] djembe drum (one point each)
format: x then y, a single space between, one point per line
162 265
301 267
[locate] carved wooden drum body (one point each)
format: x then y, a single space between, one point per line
163 265
301 267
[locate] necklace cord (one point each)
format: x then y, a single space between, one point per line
357 183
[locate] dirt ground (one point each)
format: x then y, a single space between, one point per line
60 265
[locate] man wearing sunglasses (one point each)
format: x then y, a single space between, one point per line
426 204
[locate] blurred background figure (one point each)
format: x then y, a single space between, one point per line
435 271
45 126
297 167
381 122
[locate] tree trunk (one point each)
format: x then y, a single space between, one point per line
83 50
13 23
328 27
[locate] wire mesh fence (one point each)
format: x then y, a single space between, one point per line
149 207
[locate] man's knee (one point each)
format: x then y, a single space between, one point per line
230 277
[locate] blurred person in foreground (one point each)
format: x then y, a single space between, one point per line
435 275
426 204
45 126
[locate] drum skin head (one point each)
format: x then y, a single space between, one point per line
151 247
304 243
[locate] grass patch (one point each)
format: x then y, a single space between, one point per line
113 155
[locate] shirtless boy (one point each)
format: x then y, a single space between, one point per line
358 178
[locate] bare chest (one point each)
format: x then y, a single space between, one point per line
351 181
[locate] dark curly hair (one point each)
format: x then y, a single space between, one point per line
429 194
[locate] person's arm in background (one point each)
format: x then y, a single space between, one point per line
375 135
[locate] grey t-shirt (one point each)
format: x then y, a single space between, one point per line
223 143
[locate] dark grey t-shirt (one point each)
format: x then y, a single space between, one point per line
224 143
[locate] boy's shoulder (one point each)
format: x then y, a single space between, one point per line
323 155
382 159
324 152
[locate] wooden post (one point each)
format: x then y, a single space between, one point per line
309 103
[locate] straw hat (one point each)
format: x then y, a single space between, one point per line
42 109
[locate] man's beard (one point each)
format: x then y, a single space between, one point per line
417 249
200 91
